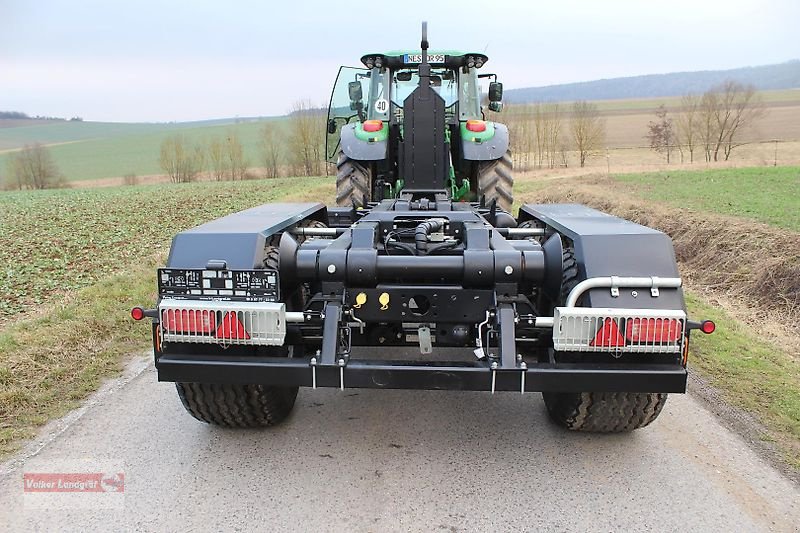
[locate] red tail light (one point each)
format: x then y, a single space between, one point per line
476 125
373 125
653 330
608 335
188 321
231 328
137 313
708 327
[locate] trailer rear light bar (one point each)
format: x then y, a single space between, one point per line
226 323
582 329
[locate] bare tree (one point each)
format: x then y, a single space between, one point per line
33 168
552 133
688 125
217 160
306 138
588 130
727 110
270 150
234 152
661 133
179 160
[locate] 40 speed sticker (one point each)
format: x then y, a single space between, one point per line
381 105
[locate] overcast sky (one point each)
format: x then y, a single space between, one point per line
146 60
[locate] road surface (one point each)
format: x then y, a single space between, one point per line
364 460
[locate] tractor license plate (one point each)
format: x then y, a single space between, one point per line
417 58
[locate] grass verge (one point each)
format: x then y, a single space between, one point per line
51 362
750 373
765 194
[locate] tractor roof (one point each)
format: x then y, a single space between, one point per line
412 58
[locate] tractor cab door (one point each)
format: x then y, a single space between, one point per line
349 103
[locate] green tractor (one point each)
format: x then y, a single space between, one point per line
372 124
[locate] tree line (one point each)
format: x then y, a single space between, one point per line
295 148
543 135
711 123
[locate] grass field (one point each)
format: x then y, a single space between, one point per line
60 240
98 150
75 261
769 195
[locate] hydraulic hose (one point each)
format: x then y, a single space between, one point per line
423 230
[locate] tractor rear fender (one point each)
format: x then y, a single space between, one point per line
361 150
606 245
487 149
240 238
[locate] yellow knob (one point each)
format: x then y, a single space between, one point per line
384 300
361 299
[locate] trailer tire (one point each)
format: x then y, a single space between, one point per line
353 182
496 181
237 406
248 405
604 412
598 412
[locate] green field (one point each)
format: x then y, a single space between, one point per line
60 240
88 151
768 194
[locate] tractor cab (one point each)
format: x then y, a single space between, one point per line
368 126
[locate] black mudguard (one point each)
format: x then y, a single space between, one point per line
239 238
606 245
494 148
355 148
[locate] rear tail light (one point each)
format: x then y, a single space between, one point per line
608 335
200 322
653 330
708 327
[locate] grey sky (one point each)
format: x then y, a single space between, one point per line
165 60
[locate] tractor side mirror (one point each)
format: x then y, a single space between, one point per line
331 126
354 88
404 75
495 92
495 107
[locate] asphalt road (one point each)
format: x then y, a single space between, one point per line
395 461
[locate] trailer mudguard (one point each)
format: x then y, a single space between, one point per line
239 238
606 245
361 150
489 149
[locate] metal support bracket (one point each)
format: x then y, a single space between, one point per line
330 333
508 350
425 344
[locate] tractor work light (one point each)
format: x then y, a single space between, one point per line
372 125
476 126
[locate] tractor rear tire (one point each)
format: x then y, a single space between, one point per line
496 181
249 405
598 412
604 412
237 406
353 182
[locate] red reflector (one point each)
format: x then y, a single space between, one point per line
231 328
608 335
189 321
373 125
476 125
708 326
653 330
137 313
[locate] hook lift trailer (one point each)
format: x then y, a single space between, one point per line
409 288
